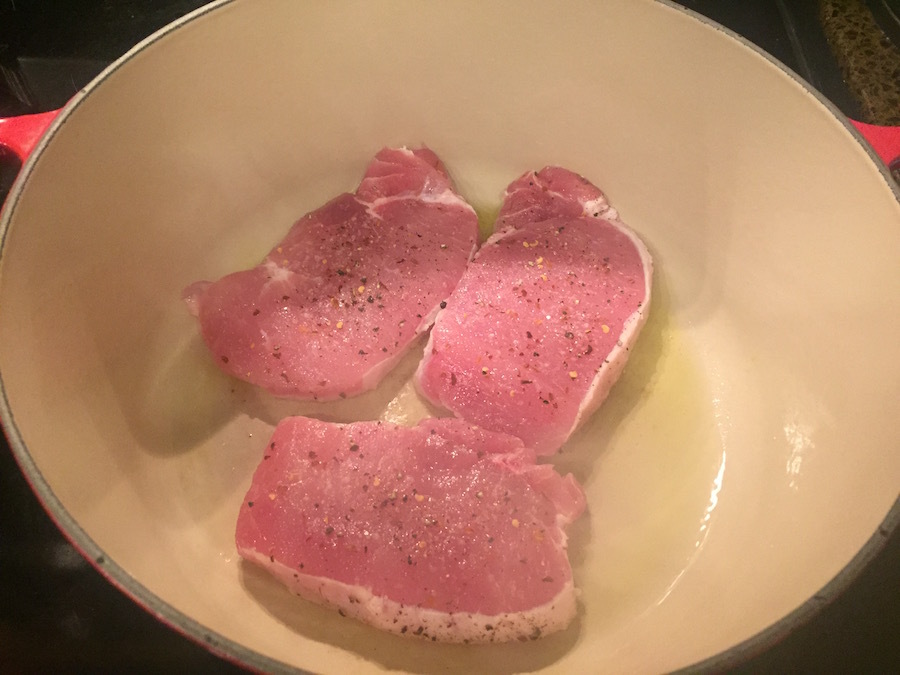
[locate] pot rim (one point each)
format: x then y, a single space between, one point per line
235 652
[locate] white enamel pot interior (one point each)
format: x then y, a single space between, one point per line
741 470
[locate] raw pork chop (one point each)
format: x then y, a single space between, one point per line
540 326
335 305
443 530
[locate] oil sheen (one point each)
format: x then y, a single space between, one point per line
649 459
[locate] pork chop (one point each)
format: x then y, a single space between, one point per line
335 305
541 324
442 530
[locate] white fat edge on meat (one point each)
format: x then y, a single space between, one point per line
418 376
599 208
614 363
389 615
566 514
377 372
595 208
435 318
276 273
447 197
193 296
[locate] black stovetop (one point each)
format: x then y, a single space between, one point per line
57 614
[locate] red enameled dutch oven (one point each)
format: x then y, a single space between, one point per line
744 469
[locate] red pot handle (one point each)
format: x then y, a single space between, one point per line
885 141
20 134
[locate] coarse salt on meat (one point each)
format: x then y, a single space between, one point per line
540 326
336 304
443 530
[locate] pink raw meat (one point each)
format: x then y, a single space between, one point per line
442 530
336 304
540 326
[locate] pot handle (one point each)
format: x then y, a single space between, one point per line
885 141
20 134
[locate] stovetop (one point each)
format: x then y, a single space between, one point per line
57 614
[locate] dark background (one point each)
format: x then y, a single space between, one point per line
57 614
